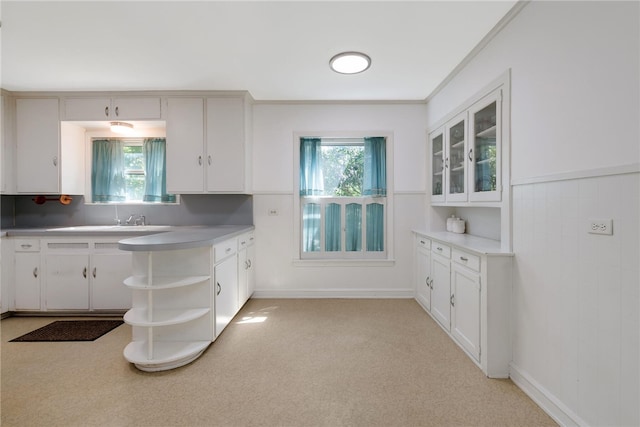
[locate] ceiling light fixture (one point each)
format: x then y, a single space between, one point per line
350 62
121 127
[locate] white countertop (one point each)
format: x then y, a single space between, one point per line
195 237
477 244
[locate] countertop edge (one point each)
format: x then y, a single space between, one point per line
480 245
183 239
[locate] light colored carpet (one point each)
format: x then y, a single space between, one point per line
292 362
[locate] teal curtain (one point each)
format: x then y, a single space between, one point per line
353 227
311 227
155 182
311 179
107 171
375 227
375 169
332 227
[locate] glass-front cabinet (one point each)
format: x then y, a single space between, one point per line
484 152
436 142
465 154
454 162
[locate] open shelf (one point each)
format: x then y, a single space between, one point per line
166 354
163 282
458 144
487 133
138 316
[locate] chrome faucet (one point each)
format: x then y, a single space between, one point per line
140 220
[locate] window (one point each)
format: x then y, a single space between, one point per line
129 170
343 198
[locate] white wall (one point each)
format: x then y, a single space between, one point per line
274 126
574 107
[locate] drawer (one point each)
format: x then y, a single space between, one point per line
466 259
440 249
26 245
423 242
225 249
245 240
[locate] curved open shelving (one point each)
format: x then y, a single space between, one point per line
139 316
166 354
163 282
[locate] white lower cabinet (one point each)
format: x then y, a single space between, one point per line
246 269
26 279
75 274
226 286
468 294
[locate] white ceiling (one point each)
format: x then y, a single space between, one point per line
275 50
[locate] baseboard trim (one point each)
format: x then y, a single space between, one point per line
334 293
546 400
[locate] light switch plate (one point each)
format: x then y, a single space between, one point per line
600 226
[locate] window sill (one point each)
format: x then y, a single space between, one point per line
344 262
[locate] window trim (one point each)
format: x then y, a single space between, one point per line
90 135
389 220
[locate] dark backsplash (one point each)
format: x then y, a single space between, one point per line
194 209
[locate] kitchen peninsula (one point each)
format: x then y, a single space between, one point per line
187 286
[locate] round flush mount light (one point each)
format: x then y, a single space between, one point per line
121 127
350 62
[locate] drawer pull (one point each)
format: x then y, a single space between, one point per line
440 249
422 242
227 250
464 259
35 272
25 246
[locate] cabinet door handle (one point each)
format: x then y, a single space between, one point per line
427 281
209 160
117 111
94 272
106 111
84 273
470 151
249 261
200 160
219 288
453 300
431 284
246 265
55 161
446 162
464 259
35 272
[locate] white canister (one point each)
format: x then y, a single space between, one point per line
450 222
458 226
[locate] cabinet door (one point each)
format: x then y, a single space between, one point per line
38 146
67 282
485 148
135 108
423 277
465 308
251 271
87 108
243 277
455 159
226 292
108 272
185 145
225 145
437 150
441 291
27 281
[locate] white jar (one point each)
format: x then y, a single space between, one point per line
450 222
458 226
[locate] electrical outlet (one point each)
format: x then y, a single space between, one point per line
273 212
600 226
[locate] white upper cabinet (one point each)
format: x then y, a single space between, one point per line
106 108
207 148
185 145
37 145
466 154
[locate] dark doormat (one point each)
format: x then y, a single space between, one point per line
70 330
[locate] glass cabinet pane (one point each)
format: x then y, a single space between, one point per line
456 158
437 165
484 149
